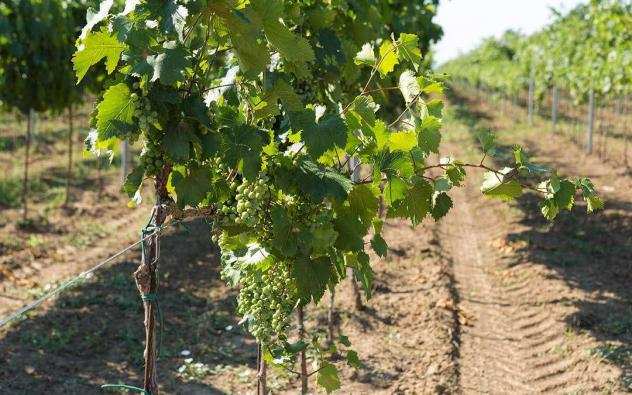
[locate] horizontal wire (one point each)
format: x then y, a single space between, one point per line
69 283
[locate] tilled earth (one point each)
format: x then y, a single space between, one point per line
492 299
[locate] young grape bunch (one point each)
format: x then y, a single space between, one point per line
267 299
153 158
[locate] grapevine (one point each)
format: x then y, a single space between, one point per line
249 113
583 50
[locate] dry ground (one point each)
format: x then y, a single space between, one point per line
493 299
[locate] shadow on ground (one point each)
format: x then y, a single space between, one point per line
589 252
93 334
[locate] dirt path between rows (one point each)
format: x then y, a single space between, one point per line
540 316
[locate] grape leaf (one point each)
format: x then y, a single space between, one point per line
379 245
353 360
488 142
95 47
388 58
442 203
565 195
133 181
328 377
243 144
350 229
429 135
283 238
115 112
408 49
594 203
320 182
252 53
496 186
455 173
190 184
311 276
177 144
363 202
322 239
549 209
416 203
319 137
402 141
169 66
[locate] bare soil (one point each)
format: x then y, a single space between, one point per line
493 299
550 303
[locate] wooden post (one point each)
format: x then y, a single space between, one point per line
262 374
530 100
303 355
330 317
147 280
354 167
125 159
30 130
591 121
554 107
70 144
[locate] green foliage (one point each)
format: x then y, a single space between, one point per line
264 152
36 42
585 49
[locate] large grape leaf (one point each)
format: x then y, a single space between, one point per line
169 66
416 203
319 137
115 112
363 202
441 204
292 47
350 229
311 276
191 184
243 144
429 135
95 47
251 51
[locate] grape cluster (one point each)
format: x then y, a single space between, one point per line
249 199
268 300
153 158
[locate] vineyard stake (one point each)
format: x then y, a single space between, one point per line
303 356
69 171
330 317
146 279
530 99
554 108
262 372
30 125
591 121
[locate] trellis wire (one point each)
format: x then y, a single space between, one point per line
73 281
